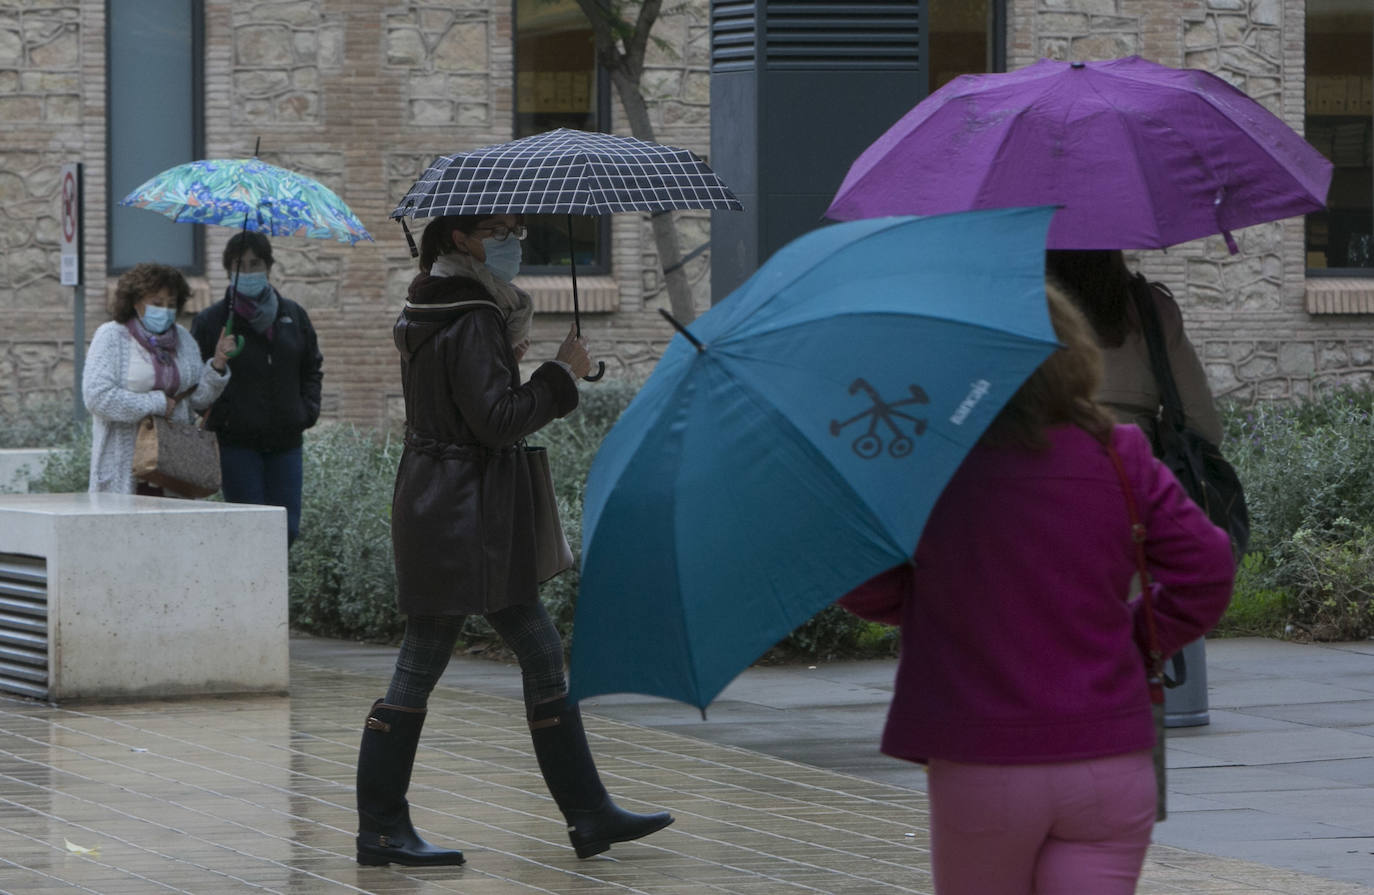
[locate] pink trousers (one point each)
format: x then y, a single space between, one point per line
1041 829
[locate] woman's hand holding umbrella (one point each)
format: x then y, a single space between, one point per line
573 352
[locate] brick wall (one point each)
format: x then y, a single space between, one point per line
357 94
362 95
1246 312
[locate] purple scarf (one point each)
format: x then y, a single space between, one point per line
163 348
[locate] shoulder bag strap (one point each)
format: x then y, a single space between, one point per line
1143 293
1154 660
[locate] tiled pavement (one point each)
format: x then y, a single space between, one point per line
256 794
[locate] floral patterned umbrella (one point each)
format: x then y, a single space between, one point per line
252 195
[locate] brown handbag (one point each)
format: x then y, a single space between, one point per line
551 551
182 458
1154 659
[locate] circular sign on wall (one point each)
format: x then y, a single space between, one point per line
71 224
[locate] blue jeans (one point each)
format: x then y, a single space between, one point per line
267 478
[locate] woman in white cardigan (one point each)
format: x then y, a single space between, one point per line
143 363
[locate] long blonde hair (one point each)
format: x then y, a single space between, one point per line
1062 388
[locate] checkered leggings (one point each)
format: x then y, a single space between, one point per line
429 642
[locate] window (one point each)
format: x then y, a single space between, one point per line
1340 69
965 39
153 123
558 84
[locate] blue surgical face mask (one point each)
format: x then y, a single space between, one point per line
156 319
251 285
503 257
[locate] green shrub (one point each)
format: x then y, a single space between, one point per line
834 633
342 580
1258 608
68 470
1308 472
1329 575
43 423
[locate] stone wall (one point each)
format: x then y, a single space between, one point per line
361 96
1245 312
42 50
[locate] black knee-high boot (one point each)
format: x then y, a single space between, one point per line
594 821
385 759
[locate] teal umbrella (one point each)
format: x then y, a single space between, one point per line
792 441
250 194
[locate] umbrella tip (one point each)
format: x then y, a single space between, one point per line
257 144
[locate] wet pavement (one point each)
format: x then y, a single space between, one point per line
780 791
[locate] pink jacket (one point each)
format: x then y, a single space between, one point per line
1017 638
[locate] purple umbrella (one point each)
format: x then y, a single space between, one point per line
1138 155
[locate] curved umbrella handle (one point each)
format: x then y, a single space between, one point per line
600 371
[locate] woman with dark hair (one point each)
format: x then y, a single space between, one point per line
1105 290
462 528
143 363
275 393
1020 682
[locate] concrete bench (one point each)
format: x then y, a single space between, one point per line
111 596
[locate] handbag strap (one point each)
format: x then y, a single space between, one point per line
1154 659
1142 291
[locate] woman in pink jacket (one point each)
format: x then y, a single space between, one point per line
1021 683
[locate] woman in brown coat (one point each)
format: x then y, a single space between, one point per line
463 532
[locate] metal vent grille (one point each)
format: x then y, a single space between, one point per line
814 34
732 35
24 625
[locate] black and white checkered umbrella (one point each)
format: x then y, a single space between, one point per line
570 172
566 171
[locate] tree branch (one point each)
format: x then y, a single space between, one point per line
602 18
638 40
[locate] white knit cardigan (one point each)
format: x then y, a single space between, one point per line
116 411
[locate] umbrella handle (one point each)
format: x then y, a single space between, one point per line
229 331
600 371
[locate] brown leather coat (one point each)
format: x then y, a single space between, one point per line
461 515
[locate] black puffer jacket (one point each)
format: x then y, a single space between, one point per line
274 390
462 515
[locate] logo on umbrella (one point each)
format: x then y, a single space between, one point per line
870 444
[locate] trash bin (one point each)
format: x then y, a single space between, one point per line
1186 704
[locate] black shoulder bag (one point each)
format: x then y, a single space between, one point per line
1205 474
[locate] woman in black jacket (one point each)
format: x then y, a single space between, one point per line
274 393
462 527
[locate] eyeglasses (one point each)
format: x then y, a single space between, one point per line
499 232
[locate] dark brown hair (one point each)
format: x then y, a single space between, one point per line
143 280
1099 283
247 240
1060 390
438 236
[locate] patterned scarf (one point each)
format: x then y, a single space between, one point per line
260 311
163 348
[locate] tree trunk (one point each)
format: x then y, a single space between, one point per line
665 234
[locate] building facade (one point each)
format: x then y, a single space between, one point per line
362 95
